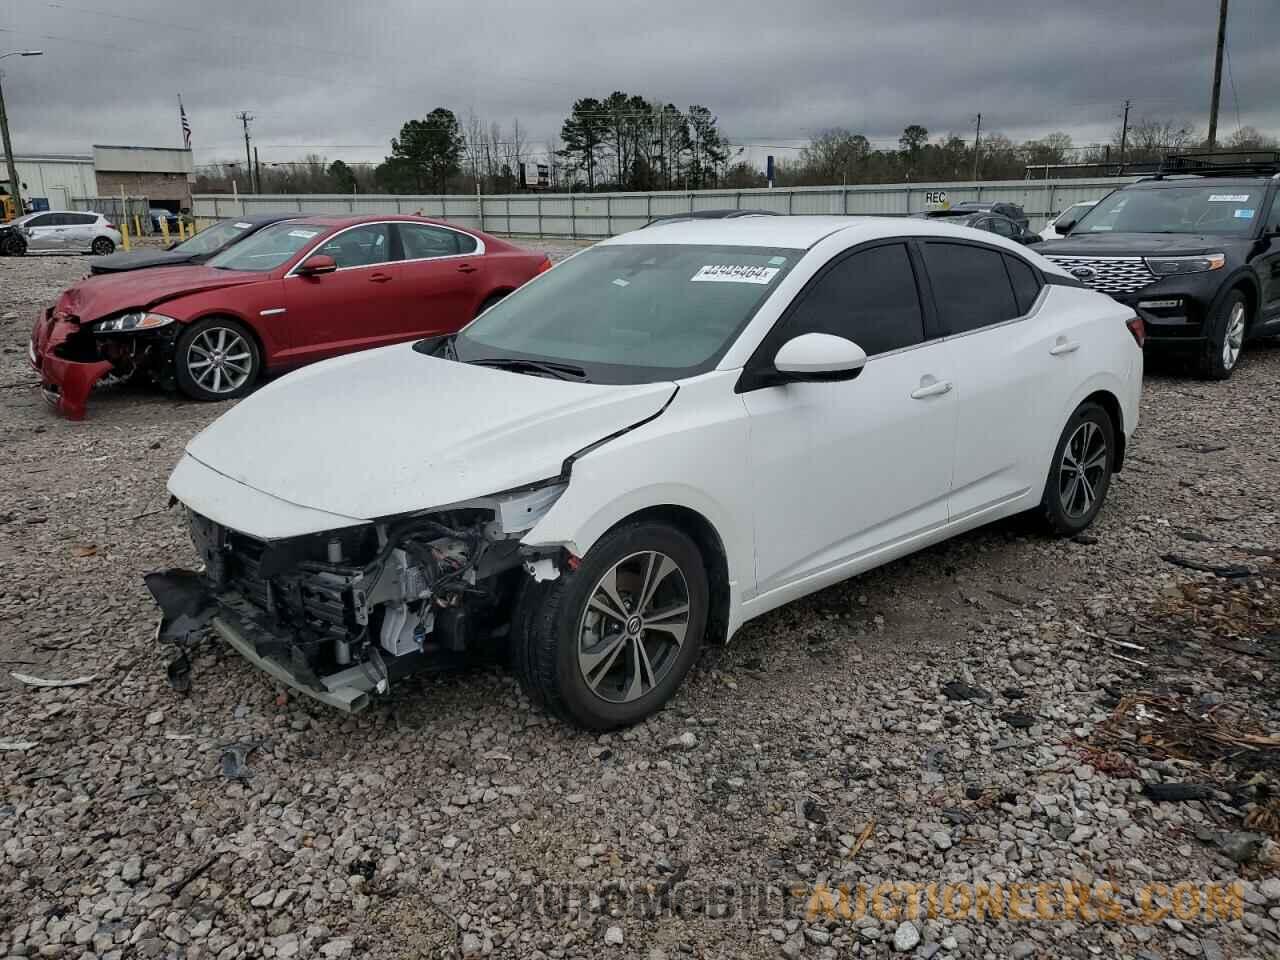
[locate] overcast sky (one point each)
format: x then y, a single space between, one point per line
338 77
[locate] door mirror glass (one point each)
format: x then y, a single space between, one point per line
819 356
315 266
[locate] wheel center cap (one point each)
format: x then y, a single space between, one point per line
634 625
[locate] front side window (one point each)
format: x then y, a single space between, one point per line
269 248
359 246
869 297
1274 222
422 241
44 220
971 288
632 313
1228 209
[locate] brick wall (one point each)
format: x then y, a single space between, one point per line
153 186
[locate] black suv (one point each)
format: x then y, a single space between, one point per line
1195 250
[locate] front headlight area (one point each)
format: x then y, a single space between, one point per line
1176 266
381 600
133 322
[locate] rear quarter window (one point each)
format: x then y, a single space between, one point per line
1026 282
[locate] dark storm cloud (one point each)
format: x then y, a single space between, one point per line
338 78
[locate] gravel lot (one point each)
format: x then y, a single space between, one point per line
823 745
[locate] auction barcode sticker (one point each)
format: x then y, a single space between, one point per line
734 273
1229 198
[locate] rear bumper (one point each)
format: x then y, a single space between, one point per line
65 383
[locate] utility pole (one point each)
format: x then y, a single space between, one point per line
244 116
15 185
1217 76
257 172
977 139
1124 135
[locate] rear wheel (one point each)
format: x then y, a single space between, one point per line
1080 473
608 644
15 245
1227 330
216 359
489 303
103 246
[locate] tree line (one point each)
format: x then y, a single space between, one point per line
625 142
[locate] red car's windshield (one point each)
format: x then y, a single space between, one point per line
268 248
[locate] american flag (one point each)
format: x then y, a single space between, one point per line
186 125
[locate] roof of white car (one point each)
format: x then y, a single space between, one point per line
802 232
795 232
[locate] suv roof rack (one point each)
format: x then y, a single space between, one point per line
1231 163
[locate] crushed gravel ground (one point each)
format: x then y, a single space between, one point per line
1002 709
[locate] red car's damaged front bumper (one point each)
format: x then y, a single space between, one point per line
66 383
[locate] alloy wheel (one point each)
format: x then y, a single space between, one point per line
1233 341
1083 468
633 626
219 360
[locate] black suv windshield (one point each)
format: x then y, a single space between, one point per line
1199 208
269 247
631 313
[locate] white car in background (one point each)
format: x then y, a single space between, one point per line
1067 218
671 433
69 231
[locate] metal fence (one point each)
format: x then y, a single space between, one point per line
136 211
599 215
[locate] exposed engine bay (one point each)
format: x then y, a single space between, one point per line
342 614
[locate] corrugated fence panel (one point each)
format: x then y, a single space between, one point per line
599 215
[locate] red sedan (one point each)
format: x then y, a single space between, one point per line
294 292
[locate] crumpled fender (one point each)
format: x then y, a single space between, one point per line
72 379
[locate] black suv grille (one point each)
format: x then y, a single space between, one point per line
1108 274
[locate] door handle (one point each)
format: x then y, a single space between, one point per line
935 389
466 268
379 277
1063 346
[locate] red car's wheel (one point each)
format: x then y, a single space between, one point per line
216 359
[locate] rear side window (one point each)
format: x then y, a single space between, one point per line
85 219
971 287
869 297
1026 282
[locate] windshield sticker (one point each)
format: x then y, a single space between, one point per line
619 282
1244 213
1228 198
1101 226
303 234
777 261
734 273
242 226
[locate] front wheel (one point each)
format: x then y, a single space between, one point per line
1227 329
103 246
216 359
1080 473
608 644
14 246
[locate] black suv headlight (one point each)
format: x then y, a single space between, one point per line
132 322
1172 266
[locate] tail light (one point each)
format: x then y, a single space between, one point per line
1138 329
544 266
110 225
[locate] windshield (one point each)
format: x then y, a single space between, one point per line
632 313
268 248
1213 208
214 238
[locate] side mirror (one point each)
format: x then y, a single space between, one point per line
1029 238
1063 227
317 266
819 357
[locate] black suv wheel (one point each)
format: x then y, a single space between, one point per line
1227 330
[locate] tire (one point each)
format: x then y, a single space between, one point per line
1089 437
15 245
580 664
216 359
1227 331
102 246
490 302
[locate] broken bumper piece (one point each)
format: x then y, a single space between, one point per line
65 383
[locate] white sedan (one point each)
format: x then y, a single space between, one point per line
665 436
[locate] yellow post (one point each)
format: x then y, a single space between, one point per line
124 219
164 230
182 233
137 225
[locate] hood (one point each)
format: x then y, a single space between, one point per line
97 297
119 262
1107 244
390 431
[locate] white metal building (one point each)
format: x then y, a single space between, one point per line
57 177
